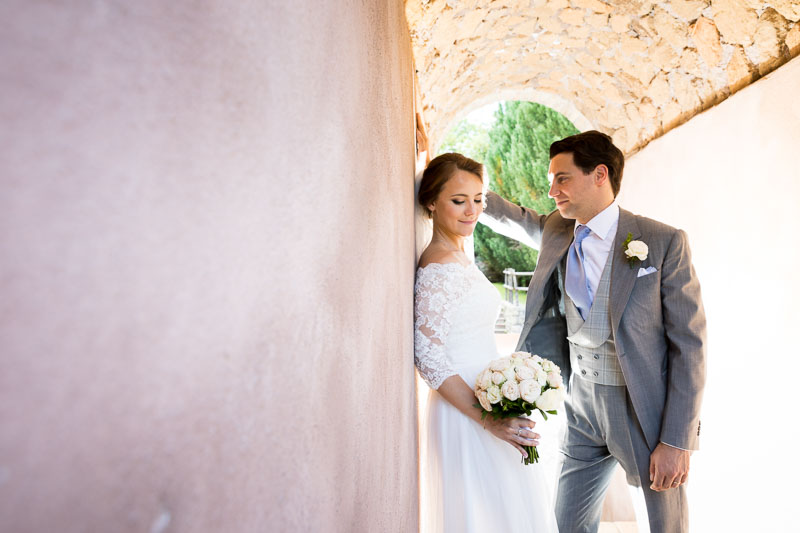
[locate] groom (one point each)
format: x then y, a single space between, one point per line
630 327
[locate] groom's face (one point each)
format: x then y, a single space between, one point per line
575 193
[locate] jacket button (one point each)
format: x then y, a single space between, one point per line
596 374
583 372
596 356
580 356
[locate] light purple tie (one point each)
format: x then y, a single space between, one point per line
576 283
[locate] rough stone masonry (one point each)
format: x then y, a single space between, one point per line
634 69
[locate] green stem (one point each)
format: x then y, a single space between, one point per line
533 455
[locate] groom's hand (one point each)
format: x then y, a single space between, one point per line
669 467
422 138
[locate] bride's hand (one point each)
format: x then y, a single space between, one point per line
518 432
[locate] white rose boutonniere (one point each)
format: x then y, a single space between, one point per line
634 250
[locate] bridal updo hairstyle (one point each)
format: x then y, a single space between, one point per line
592 148
441 169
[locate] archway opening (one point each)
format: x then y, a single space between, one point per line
512 139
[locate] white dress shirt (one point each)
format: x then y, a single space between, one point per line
597 245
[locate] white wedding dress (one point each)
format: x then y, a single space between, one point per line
471 480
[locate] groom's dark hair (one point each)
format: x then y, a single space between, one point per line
592 148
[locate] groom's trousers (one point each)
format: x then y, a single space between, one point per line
602 430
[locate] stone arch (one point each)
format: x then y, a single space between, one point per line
635 69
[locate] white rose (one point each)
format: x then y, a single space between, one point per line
524 372
510 374
532 363
498 365
547 365
637 249
493 393
521 355
530 390
550 399
484 379
510 390
540 376
554 379
483 399
537 359
498 378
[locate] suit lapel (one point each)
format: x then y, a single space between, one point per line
623 277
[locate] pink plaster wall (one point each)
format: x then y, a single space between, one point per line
206 264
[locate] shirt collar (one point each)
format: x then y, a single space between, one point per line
604 221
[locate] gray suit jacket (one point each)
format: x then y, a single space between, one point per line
657 320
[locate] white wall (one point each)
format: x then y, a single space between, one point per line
731 178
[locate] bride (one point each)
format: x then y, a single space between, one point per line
473 476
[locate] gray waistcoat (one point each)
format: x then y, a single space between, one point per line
593 355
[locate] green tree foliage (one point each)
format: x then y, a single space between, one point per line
517 161
519 152
516 153
467 138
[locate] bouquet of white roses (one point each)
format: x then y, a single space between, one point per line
516 385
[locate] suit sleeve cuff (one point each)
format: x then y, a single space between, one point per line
673 446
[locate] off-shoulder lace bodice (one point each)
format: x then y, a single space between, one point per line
455 307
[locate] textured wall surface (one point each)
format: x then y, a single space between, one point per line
729 178
206 266
633 68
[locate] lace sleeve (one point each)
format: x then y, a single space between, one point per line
436 294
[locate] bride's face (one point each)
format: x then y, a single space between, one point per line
459 204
